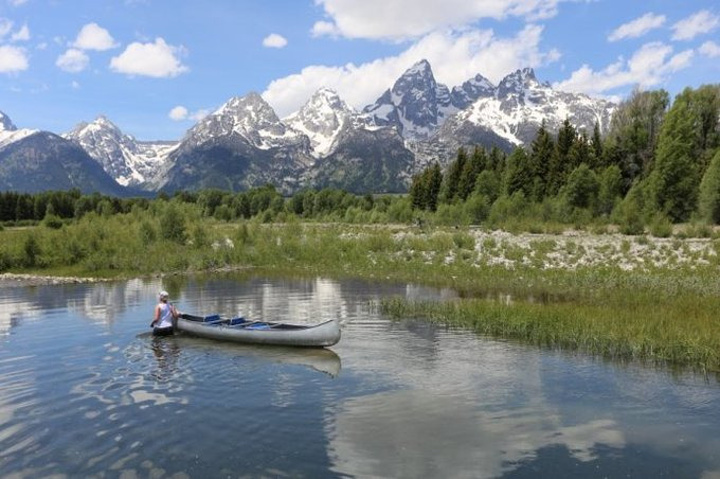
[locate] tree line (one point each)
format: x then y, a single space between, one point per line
656 161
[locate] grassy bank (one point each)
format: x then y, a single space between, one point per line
624 297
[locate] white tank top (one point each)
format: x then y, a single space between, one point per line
165 316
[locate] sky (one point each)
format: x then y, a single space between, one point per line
155 67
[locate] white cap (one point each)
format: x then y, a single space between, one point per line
164 294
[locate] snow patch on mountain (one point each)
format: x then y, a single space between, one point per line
321 119
128 161
9 133
250 117
521 104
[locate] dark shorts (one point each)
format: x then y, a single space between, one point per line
163 331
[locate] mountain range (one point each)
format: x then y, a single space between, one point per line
244 144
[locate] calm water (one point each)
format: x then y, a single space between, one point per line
85 391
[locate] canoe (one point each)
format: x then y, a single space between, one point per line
242 330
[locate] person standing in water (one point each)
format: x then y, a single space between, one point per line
165 316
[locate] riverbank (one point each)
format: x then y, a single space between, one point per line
8 280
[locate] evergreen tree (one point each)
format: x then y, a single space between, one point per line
596 145
518 173
435 179
425 188
454 173
542 158
709 200
472 169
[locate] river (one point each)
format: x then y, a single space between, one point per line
86 391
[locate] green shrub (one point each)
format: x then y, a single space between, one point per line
172 224
31 251
464 241
53 222
660 226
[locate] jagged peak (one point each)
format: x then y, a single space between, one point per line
5 123
517 81
421 67
327 96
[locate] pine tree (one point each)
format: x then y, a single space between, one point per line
542 156
434 182
518 173
597 147
472 169
452 179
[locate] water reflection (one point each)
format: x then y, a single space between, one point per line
167 352
86 391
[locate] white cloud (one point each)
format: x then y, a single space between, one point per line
694 25
21 35
323 28
638 27
93 37
17 3
710 49
402 19
454 57
274 41
649 66
180 113
12 59
75 85
72 61
158 60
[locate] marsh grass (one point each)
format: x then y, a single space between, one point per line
678 332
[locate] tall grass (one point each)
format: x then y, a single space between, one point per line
684 331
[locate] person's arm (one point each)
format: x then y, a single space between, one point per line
157 316
174 311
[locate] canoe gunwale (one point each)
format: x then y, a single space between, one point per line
322 334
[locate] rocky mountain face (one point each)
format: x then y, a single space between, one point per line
130 162
326 143
42 161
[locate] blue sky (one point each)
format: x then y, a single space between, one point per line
154 67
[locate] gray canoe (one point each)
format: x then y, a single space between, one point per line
261 332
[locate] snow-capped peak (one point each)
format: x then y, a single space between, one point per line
416 104
474 88
321 119
129 162
517 82
6 124
521 104
250 117
9 133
